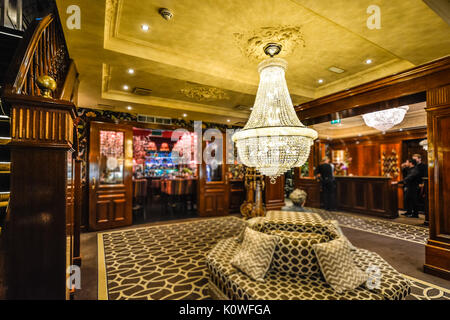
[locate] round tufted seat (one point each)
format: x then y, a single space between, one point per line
295 272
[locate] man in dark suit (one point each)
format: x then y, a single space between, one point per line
405 169
411 182
422 167
423 171
324 173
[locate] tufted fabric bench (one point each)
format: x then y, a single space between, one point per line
294 274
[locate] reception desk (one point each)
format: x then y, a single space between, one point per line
368 195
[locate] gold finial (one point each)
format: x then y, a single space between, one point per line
47 85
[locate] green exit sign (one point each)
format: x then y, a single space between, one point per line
336 121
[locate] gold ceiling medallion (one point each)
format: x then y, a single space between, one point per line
253 44
205 93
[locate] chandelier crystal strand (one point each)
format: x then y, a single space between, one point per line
385 119
273 140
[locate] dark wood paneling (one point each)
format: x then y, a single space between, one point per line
368 195
312 188
371 154
37 228
237 195
274 194
437 258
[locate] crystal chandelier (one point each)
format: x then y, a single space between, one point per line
385 119
274 140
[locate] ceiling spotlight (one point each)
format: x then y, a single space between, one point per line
185 115
131 71
125 87
129 108
228 120
320 81
145 27
165 13
368 61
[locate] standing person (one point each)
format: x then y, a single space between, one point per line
411 182
405 169
324 173
423 171
422 167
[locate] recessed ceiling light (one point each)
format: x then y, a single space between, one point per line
131 71
129 108
228 120
185 115
336 70
320 81
145 27
368 61
125 87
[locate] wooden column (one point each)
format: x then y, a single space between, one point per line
437 250
38 246
78 195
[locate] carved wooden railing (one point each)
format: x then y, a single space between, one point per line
43 52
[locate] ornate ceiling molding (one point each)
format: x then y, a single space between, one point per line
252 43
174 104
205 93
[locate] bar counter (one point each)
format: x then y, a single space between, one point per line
362 194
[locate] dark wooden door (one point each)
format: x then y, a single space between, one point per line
110 175
213 187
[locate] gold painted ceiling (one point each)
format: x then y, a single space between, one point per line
203 62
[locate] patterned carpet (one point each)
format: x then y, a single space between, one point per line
167 261
386 228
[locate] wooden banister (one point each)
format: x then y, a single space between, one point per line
43 51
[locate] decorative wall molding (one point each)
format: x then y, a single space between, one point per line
252 43
205 93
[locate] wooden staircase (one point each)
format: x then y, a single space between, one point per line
39 166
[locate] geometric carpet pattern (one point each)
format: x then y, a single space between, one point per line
387 228
162 261
168 261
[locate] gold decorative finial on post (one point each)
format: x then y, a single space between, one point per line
47 85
